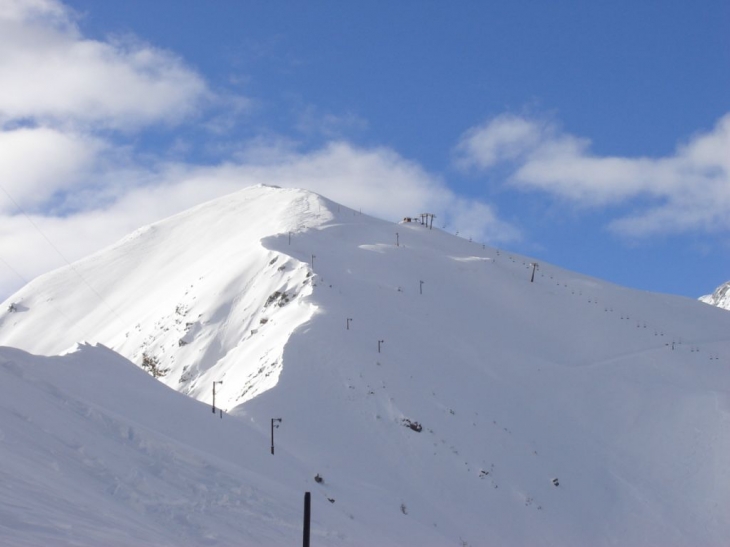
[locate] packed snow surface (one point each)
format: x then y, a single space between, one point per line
443 397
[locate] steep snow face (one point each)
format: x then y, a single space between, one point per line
719 298
442 395
194 299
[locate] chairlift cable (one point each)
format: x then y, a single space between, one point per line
37 228
56 308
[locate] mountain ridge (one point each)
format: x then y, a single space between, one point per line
720 297
425 377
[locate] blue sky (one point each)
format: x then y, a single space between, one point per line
593 135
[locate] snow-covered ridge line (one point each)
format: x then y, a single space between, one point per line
720 297
443 391
193 299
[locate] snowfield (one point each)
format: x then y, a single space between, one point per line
444 398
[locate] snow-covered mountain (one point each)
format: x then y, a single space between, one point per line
198 297
96 453
719 298
442 396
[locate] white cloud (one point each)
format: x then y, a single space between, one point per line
689 190
37 162
506 137
22 10
49 73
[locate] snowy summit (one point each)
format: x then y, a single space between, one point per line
442 392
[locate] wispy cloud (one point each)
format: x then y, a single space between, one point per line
687 191
331 126
51 74
35 163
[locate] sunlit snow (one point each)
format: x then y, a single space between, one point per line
443 397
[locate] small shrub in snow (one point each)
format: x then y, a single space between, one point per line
556 482
415 426
403 508
318 479
151 364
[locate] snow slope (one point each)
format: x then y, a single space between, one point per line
95 452
191 293
719 298
620 397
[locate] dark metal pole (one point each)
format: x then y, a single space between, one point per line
307 517
214 383
397 240
278 420
420 288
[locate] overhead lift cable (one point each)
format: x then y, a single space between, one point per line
63 257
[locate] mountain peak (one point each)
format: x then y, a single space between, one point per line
720 297
174 296
422 376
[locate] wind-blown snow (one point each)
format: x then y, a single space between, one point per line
620 397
